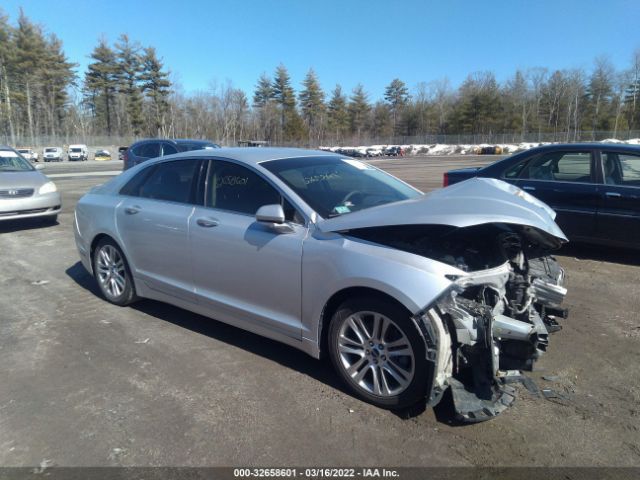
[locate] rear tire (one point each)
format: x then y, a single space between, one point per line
112 273
378 352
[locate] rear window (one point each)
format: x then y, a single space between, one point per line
76 150
188 147
50 150
147 150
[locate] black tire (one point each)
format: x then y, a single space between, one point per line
128 291
417 388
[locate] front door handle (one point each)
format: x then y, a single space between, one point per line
612 194
207 222
132 210
529 188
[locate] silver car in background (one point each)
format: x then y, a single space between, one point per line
408 294
24 191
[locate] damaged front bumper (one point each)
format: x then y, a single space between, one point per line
486 328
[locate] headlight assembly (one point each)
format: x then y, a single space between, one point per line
48 187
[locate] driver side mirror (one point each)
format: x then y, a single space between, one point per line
273 217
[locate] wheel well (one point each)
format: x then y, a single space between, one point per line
96 240
336 300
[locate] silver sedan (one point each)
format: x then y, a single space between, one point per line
24 191
408 294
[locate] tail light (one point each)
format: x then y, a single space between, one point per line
445 180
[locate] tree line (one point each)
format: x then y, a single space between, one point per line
126 92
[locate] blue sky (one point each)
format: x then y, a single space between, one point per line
348 41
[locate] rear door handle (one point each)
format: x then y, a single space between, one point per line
207 222
612 194
530 188
132 210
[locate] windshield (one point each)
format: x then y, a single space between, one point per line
335 186
50 150
76 150
12 162
22 150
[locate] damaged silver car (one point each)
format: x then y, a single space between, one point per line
408 294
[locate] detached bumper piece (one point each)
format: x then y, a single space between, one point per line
499 321
472 409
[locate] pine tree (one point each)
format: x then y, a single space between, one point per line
359 109
29 54
290 122
381 125
264 92
156 87
101 82
7 54
129 72
282 93
337 113
264 104
57 75
396 95
312 103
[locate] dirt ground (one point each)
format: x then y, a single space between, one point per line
86 383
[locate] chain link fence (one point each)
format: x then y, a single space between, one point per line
102 141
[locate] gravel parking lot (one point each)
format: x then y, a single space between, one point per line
86 383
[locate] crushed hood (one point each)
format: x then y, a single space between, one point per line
475 201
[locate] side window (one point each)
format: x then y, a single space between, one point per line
170 181
132 187
236 188
147 150
168 149
559 167
514 170
621 169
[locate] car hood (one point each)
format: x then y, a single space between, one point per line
32 179
475 201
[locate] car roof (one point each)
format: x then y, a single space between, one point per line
188 140
171 140
251 155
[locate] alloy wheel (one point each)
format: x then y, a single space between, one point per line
111 271
376 354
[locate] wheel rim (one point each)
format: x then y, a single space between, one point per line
376 354
111 271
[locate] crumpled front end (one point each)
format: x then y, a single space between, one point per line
491 324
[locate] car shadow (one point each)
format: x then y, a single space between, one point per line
289 357
599 253
10 226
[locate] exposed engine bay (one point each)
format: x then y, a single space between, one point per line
495 320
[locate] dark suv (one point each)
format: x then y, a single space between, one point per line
159 147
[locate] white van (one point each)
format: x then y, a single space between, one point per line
78 153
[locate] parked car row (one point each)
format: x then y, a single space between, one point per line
56 154
370 152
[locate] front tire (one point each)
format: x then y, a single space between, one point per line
112 273
378 352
